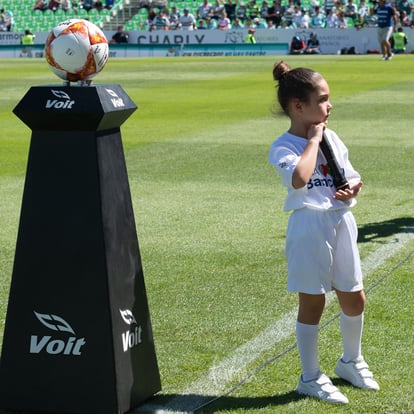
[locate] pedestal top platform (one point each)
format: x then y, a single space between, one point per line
69 108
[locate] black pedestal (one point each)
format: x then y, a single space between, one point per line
78 336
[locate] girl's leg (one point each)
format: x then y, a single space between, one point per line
351 323
352 366
307 326
352 303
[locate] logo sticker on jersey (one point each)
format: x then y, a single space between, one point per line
324 169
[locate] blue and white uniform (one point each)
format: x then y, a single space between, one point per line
385 22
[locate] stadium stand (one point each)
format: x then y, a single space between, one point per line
133 14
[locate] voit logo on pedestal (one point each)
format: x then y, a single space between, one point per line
132 337
58 342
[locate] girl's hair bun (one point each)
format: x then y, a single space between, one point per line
280 69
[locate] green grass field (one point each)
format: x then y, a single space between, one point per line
208 209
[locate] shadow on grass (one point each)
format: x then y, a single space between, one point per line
233 403
376 231
193 403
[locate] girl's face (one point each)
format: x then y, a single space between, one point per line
318 108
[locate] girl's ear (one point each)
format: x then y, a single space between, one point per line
296 105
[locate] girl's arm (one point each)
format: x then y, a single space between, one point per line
306 165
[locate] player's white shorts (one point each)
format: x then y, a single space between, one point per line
384 34
322 252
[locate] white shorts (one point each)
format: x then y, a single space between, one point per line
384 34
322 252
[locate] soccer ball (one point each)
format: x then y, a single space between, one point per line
76 50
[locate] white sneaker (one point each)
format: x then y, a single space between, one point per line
357 373
323 389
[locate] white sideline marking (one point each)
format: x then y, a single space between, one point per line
215 380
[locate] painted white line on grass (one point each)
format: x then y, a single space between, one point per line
230 369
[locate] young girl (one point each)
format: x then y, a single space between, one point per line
321 238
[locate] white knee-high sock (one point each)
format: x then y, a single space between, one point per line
307 338
351 329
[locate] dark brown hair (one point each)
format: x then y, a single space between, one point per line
296 83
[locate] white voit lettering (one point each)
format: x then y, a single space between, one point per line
63 101
131 339
117 102
56 346
52 345
56 104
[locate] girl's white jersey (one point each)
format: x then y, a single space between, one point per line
285 154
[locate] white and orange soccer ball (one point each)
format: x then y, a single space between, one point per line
76 50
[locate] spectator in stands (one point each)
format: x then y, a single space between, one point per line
248 24
241 12
161 21
328 5
151 13
250 37
270 25
109 4
201 25
98 5
332 19
405 19
371 19
3 25
217 9
318 19
87 4
204 10
230 8
175 14
237 24
312 45
302 19
351 10
404 5
264 9
40 5
387 19
187 20
296 12
289 14
342 20
211 24
297 21
339 5
54 4
224 22
259 23
275 13
399 41
175 22
7 21
253 9
120 36
297 46
362 12
66 5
